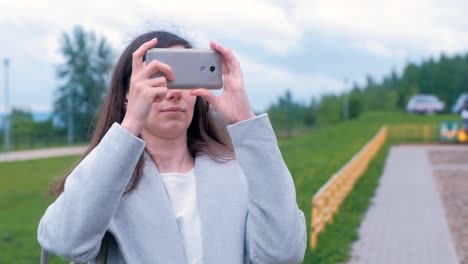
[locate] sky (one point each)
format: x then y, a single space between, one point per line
308 46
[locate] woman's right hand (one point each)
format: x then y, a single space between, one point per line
143 90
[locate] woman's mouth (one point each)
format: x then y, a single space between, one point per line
173 109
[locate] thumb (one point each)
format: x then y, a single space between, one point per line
207 95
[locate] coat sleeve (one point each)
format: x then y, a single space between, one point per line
275 231
74 225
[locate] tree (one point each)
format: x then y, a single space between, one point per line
310 115
22 123
355 104
287 114
330 110
27 132
84 76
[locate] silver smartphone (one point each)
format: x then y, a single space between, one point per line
192 68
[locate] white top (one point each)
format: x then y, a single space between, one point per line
182 191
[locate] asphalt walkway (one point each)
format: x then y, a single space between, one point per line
406 223
41 153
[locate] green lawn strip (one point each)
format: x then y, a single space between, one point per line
23 200
334 244
404 118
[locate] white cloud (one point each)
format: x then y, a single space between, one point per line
255 22
265 83
390 25
379 49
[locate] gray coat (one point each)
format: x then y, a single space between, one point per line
247 206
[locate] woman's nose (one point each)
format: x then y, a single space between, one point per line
173 94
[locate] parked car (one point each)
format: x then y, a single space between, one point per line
457 107
425 104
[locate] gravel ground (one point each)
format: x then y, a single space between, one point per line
448 157
451 172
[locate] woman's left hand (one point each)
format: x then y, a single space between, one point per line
233 104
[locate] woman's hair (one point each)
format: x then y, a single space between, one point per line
204 136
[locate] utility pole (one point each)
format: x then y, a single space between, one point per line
288 112
346 102
70 115
6 63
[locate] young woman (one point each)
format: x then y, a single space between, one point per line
164 181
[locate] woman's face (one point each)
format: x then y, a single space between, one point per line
171 117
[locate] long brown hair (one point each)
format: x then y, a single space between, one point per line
204 135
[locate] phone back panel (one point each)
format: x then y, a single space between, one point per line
193 68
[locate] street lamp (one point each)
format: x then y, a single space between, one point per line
70 127
6 63
346 102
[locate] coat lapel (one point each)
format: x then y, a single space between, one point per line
208 202
145 224
165 221
222 203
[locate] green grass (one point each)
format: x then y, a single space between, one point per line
23 200
311 157
404 118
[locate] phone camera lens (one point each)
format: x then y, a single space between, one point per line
202 68
212 68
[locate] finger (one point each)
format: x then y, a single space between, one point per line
157 82
137 57
155 66
225 67
213 45
223 59
157 94
207 95
229 60
225 52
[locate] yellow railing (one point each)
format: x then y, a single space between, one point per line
413 132
326 202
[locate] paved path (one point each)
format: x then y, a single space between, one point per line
406 223
40 153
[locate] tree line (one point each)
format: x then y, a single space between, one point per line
445 77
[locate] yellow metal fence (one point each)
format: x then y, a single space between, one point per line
326 202
413 132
